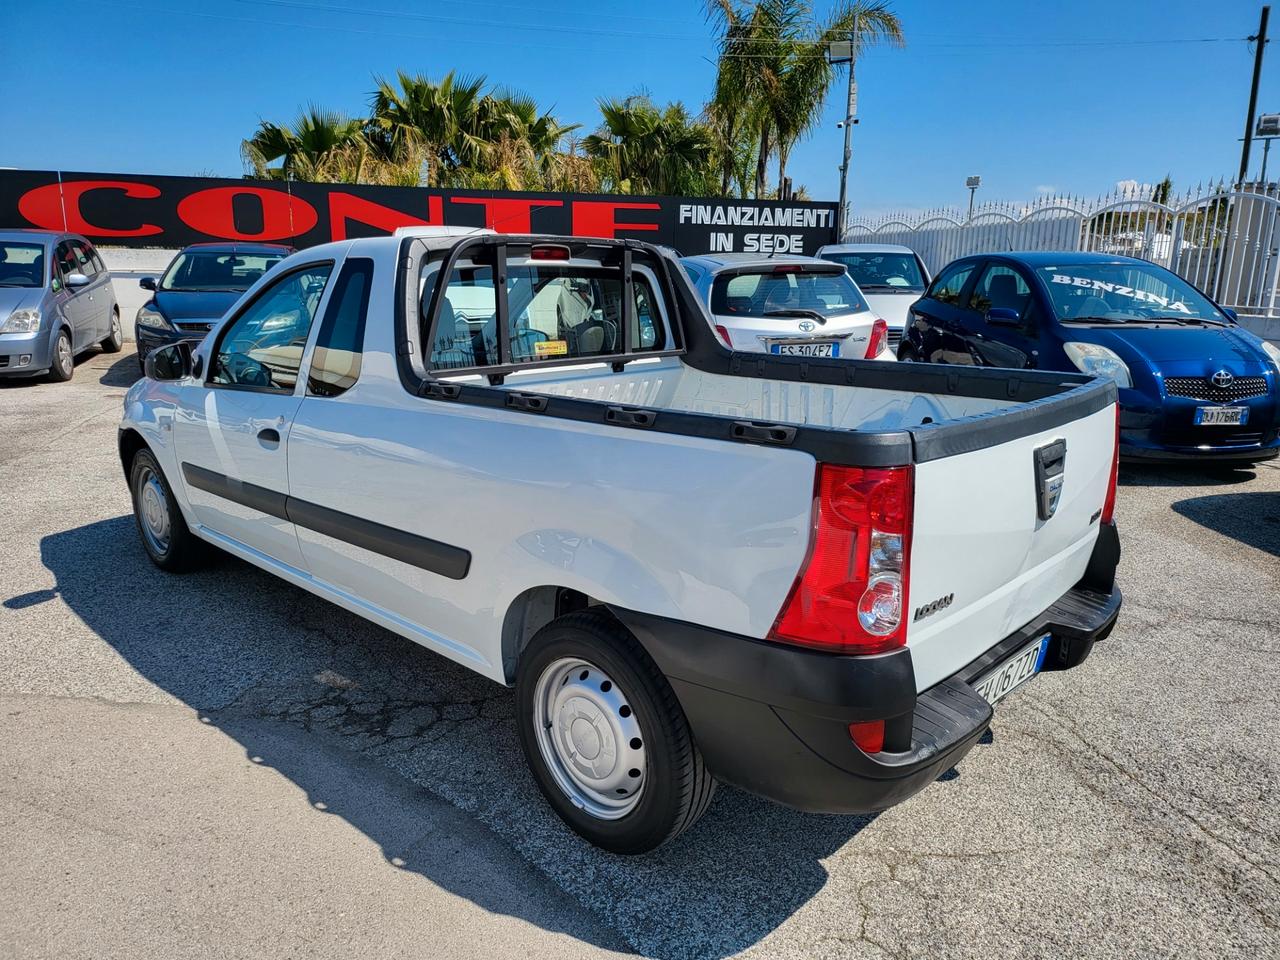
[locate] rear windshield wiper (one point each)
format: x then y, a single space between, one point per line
797 312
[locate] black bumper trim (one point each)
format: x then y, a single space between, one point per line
773 719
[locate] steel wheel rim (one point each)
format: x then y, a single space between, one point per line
590 738
153 510
115 327
64 352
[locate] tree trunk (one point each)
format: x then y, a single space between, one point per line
784 148
762 161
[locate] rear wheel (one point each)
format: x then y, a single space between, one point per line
62 363
164 533
115 339
605 737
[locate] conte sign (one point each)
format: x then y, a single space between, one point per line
143 211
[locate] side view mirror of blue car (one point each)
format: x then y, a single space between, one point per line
147 283
1004 316
77 280
169 363
1231 314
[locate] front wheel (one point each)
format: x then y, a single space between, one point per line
114 341
165 536
62 364
605 737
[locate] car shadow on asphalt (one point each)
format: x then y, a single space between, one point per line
1189 475
242 647
122 372
1251 518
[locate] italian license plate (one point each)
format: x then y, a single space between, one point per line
806 349
1221 416
1014 672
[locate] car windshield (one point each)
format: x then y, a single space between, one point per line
785 291
1125 293
882 271
21 264
208 270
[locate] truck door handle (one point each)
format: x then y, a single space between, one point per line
269 435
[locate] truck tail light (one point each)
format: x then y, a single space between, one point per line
879 336
549 251
723 334
851 594
1109 504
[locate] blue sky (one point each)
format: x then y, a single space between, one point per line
1071 96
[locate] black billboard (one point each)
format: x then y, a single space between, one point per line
145 211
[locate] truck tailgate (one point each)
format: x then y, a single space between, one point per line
978 540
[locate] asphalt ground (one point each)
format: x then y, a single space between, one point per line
220 764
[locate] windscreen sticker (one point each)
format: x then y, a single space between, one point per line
551 348
1142 296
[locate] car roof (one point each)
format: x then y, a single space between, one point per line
864 248
239 246
1055 258
32 236
715 262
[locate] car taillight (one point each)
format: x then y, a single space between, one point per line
549 251
879 336
1109 504
851 595
724 335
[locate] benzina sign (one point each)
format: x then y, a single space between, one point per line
142 211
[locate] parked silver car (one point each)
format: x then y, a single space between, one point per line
55 301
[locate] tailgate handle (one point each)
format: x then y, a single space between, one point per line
1050 466
631 416
753 431
527 401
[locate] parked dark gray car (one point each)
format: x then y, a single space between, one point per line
55 301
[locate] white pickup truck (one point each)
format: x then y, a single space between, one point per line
532 455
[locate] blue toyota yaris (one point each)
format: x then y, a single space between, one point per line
1194 385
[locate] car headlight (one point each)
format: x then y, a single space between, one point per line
22 321
1272 351
153 318
1099 362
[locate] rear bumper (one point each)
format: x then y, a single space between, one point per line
773 719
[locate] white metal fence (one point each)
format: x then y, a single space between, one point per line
1225 241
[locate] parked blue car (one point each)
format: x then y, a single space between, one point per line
1194 385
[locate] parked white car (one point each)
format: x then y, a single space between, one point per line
891 277
788 305
809 578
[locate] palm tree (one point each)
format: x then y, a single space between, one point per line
773 71
643 149
301 146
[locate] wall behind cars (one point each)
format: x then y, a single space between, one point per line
151 211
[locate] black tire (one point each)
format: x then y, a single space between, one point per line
62 364
677 787
114 341
907 354
180 550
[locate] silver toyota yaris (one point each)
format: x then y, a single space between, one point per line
55 301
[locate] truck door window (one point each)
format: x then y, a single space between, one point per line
950 284
335 361
261 349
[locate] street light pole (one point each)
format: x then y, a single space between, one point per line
973 183
1261 46
850 118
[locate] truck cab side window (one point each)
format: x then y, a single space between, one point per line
262 347
467 331
335 361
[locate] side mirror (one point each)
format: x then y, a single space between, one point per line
147 283
1231 314
169 363
77 280
1004 317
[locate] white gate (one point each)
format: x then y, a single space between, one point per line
1226 242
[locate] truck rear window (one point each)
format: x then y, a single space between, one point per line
779 292
556 311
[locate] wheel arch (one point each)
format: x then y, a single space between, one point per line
130 442
529 612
